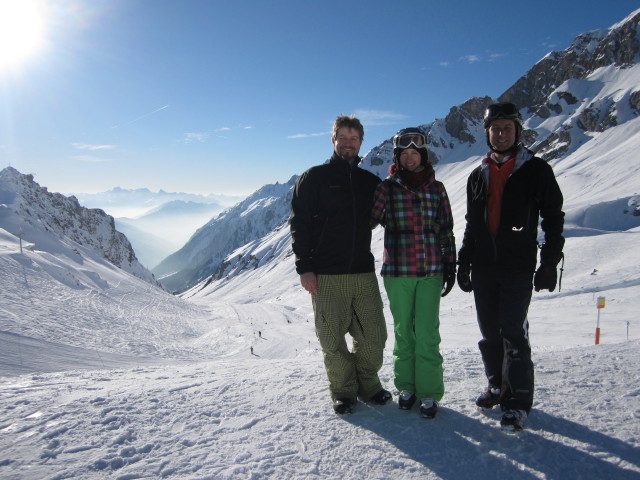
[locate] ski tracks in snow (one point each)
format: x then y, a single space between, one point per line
158 422
264 418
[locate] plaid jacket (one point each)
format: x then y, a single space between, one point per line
418 223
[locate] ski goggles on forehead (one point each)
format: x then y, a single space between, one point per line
501 110
408 139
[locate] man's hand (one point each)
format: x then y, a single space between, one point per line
464 278
309 282
545 278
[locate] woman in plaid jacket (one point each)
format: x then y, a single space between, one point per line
418 267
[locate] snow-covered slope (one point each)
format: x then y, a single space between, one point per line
58 224
258 418
249 220
143 384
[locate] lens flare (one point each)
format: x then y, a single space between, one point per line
21 31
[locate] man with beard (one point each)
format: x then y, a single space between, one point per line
331 238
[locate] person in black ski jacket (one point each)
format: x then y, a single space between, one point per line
331 238
506 196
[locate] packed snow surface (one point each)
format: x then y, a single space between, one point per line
105 376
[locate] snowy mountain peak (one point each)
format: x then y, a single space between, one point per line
589 87
53 223
615 49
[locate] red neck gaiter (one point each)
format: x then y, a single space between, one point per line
498 176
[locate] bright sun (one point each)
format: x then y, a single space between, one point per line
21 30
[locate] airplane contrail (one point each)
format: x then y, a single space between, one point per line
144 116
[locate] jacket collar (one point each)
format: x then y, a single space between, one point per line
523 155
337 161
427 177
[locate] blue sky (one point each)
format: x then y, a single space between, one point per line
221 96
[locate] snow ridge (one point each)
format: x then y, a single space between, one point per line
29 210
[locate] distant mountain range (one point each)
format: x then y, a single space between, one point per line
157 223
166 228
247 221
132 203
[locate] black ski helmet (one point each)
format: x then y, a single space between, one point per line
503 111
410 138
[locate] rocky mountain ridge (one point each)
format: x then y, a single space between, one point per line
27 210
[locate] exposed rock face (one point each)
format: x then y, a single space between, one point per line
634 101
547 89
555 145
460 119
64 217
589 51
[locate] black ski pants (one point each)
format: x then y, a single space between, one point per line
502 302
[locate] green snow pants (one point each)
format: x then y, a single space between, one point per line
352 304
415 306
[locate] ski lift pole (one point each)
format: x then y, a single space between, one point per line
599 306
20 232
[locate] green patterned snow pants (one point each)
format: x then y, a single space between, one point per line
350 303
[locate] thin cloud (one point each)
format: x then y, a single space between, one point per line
471 58
195 137
89 159
86 146
367 117
228 129
378 117
220 132
309 135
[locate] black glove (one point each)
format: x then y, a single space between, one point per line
464 278
545 278
449 274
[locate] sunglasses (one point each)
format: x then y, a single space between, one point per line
408 139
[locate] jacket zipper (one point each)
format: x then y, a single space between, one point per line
354 226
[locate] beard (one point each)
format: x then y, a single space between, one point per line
348 154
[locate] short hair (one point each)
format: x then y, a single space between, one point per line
348 121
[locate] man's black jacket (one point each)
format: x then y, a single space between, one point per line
330 212
531 192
